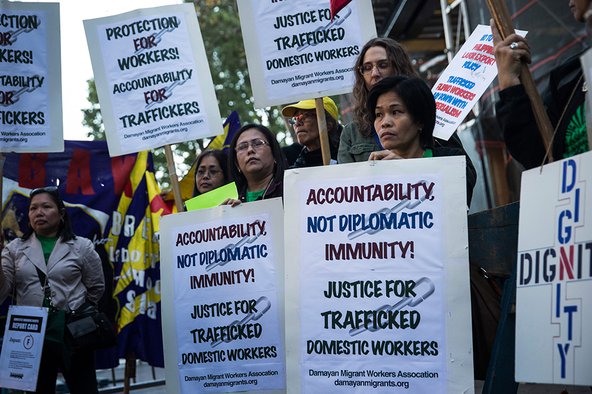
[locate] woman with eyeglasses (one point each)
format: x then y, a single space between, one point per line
379 58
211 171
303 117
52 267
256 164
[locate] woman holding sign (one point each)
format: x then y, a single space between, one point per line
403 112
379 58
52 267
256 164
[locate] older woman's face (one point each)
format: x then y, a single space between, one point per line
376 66
394 124
209 175
306 128
253 154
44 215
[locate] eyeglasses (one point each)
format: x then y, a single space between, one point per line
211 171
303 117
45 189
256 144
381 66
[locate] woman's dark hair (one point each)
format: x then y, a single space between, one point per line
222 160
416 96
400 62
65 227
280 164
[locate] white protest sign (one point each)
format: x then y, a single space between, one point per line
30 78
554 274
22 346
153 79
295 52
377 289
464 81
222 295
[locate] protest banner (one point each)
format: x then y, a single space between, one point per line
222 295
153 79
554 274
377 289
114 202
464 81
22 346
30 78
296 52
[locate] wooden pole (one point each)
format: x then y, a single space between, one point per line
323 134
503 21
174 179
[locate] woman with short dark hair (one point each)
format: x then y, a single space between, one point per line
211 171
52 267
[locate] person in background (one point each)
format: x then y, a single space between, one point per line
303 117
564 99
50 266
211 171
403 111
379 58
256 164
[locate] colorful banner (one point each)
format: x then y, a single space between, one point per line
115 202
554 276
464 81
296 50
379 286
30 78
153 79
223 304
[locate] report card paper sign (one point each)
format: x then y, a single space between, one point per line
554 274
296 52
377 284
30 78
464 81
222 274
153 79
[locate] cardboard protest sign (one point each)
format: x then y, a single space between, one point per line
377 289
296 52
22 346
30 78
222 295
464 81
554 274
153 79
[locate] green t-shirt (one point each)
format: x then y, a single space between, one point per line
428 153
47 245
253 196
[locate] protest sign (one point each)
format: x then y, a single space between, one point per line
153 79
378 286
554 274
222 295
22 346
464 81
296 52
213 197
30 78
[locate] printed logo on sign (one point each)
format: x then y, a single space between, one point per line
567 262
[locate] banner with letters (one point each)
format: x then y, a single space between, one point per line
153 79
554 274
378 292
222 295
116 203
30 78
295 51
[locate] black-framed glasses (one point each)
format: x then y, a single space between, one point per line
301 117
45 189
381 66
256 143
